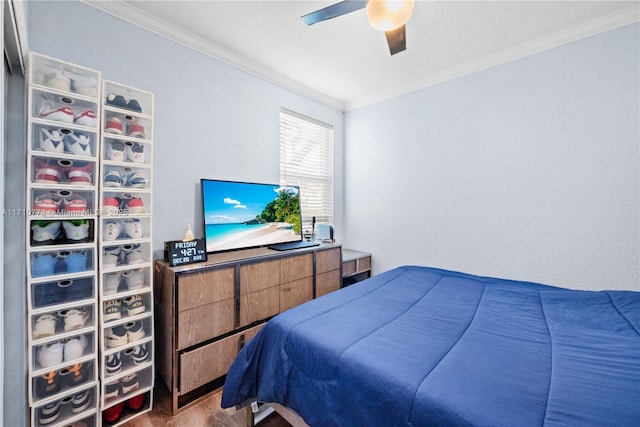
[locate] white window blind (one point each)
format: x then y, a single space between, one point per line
306 159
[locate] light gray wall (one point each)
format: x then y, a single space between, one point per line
211 121
528 170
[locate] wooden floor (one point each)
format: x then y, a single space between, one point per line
207 413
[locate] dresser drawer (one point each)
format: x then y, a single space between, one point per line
206 287
296 293
327 282
327 260
205 364
259 305
259 275
296 268
205 322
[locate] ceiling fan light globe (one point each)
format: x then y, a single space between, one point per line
386 15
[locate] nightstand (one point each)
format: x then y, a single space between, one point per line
356 266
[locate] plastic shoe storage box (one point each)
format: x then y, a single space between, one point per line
69 261
65 140
62 292
126 281
69 409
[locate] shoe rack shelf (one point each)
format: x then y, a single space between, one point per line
62 258
89 247
126 258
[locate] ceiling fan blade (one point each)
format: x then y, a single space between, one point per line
396 39
334 11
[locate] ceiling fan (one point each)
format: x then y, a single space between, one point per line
389 16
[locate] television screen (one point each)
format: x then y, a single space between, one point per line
241 214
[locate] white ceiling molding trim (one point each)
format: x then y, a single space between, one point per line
577 32
15 35
137 17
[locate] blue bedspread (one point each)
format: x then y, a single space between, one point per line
418 346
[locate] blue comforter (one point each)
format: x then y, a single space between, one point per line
418 346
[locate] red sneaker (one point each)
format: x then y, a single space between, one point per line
111 415
136 402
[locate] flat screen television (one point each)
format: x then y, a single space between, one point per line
240 215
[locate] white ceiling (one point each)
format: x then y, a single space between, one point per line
345 63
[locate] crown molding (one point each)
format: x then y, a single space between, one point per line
586 29
142 19
137 17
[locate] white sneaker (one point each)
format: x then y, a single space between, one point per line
50 111
75 318
57 80
78 144
129 383
73 203
46 203
111 231
135 205
45 326
135 257
86 118
44 231
50 354
76 229
112 310
111 281
84 85
135 129
135 152
136 180
133 228
114 125
113 179
110 261
135 331
116 336
51 141
134 305
134 279
74 348
115 151
79 173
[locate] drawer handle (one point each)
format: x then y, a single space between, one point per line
286 289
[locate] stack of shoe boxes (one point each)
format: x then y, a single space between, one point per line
126 252
89 254
62 188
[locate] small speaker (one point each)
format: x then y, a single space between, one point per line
324 232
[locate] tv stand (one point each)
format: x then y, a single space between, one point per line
206 312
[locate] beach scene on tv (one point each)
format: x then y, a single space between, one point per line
239 215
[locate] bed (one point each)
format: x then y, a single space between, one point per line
419 346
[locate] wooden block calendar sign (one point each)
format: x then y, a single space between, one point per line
181 253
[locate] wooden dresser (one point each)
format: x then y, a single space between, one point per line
206 312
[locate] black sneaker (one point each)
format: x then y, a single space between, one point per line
81 401
134 106
113 364
49 413
129 383
116 100
138 353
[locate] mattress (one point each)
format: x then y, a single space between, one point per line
418 346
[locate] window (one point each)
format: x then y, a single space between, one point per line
306 159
